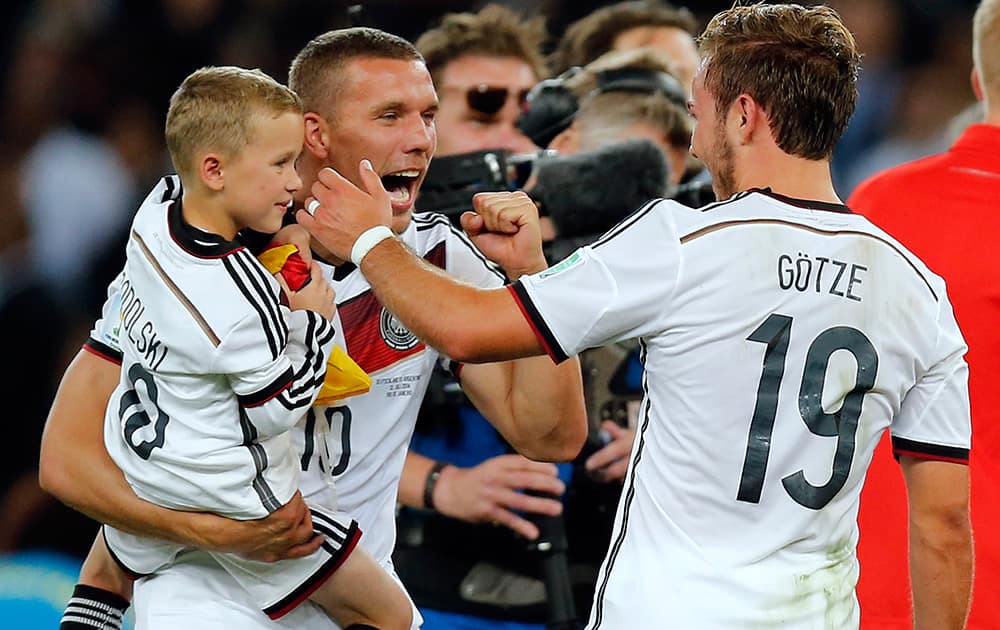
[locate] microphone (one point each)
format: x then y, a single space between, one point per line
586 194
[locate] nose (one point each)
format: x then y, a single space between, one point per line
421 135
294 180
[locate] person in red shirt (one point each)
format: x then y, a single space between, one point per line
946 209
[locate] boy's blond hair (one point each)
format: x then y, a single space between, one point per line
215 108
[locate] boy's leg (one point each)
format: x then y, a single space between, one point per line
101 596
361 594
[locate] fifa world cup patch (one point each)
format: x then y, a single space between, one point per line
569 262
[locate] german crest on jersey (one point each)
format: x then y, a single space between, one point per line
396 335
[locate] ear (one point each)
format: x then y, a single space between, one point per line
977 85
317 140
568 140
210 171
746 118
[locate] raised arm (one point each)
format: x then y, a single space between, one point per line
940 542
75 468
478 325
537 406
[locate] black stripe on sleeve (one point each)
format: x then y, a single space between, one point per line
923 450
265 305
103 350
534 317
261 396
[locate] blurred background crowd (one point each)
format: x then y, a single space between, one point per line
86 85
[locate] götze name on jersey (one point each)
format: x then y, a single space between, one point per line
805 272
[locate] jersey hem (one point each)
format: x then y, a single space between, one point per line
288 603
103 351
923 450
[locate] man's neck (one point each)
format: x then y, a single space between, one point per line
790 176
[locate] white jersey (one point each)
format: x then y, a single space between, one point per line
780 338
360 442
370 434
214 372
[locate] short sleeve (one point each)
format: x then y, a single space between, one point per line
617 288
934 420
103 339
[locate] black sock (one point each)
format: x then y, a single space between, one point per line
93 608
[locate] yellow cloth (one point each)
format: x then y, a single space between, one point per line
344 377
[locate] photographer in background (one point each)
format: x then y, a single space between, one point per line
462 569
588 113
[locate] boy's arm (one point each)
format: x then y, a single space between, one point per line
76 468
940 542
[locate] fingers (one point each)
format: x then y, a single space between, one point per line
370 180
512 521
300 551
504 212
616 471
282 283
328 179
305 218
472 223
613 458
521 502
534 482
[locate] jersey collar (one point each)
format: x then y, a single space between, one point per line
808 204
195 241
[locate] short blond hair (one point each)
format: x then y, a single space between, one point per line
986 48
319 71
215 108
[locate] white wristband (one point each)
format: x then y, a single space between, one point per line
368 239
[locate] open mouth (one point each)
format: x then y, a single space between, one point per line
401 186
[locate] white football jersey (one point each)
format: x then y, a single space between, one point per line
215 372
360 442
369 434
780 338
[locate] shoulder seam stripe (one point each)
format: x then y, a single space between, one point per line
431 221
195 313
625 223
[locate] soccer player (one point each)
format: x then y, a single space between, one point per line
944 208
367 95
214 371
781 336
